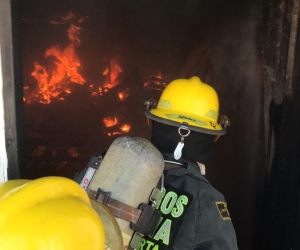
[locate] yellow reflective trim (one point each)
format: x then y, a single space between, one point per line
212 114
165 104
186 118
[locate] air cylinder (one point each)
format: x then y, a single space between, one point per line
130 170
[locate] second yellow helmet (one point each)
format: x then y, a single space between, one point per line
48 213
190 103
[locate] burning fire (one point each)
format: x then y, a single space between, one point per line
54 83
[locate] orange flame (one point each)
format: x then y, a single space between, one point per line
112 72
54 83
125 128
109 122
74 32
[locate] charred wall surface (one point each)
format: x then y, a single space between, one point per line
279 40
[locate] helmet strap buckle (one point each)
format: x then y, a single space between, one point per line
180 145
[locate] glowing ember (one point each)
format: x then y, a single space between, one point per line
112 122
125 128
113 133
109 122
155 82
54 83
100 91
73 151
124 94
38 151
106 71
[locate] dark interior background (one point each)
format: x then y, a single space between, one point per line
242 48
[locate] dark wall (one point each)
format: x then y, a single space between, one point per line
280 50
238 166
294 208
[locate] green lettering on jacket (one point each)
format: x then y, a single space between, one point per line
164 232
168 202
178 210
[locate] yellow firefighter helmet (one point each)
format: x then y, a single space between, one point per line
190 103
48 213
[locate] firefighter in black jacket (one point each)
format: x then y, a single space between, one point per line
185 124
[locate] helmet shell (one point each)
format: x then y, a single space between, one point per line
48 213
190 103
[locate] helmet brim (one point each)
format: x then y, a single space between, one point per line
205 126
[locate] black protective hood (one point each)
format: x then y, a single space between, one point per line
197 146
